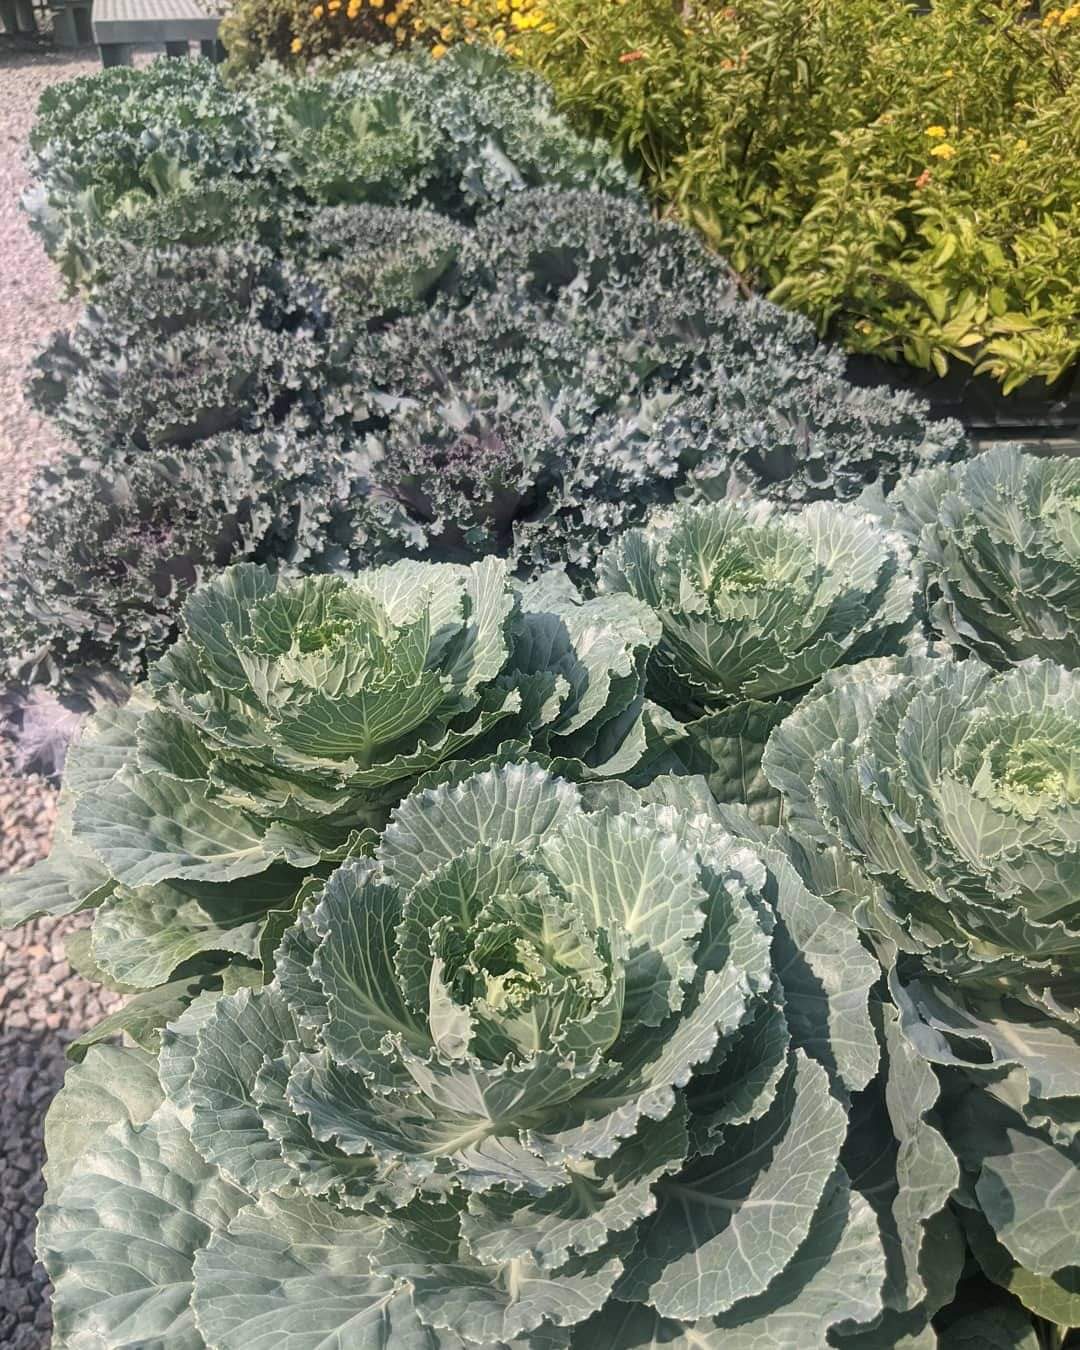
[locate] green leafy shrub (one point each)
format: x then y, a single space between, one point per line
955 790
755 606
501 1092
904 175
171 155
286 721
527 387
998 545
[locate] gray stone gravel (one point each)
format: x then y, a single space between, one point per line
42 1001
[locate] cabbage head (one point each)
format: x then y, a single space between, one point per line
997 541
756 604
557 1066
273 738
956 790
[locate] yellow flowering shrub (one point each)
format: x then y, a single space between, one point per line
294 32
909 179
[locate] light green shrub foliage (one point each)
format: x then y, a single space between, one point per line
906 176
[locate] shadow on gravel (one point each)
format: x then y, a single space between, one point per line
31 1070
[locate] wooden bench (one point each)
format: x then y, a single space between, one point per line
173 24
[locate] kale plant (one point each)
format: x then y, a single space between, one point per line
942 801
171 154
550 1069
527 386
291 715
756 605
997 540
95 583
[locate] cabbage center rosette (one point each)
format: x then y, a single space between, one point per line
755 604
555 1061
957 790
997 543
273 738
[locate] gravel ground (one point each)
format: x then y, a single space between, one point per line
42 1002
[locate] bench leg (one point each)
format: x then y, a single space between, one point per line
84 29
212 51
24 16
176 51
8 17
63 27
115 53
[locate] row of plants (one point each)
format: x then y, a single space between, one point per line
381 381
582 802
903 174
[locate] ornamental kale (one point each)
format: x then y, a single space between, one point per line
171 154
528 386
956 791
286 722
997 541
95 583
756 605
552 1068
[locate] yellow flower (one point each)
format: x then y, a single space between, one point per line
936 132
943 151
470 21
334 6
391 20
317 12
297 46
446 32
376 4
439 51
948 74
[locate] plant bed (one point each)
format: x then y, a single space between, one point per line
1035 409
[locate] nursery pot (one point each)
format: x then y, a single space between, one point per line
1035 410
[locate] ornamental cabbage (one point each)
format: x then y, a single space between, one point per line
957 791
172 154
755 605
997 539
291 715
553 1068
